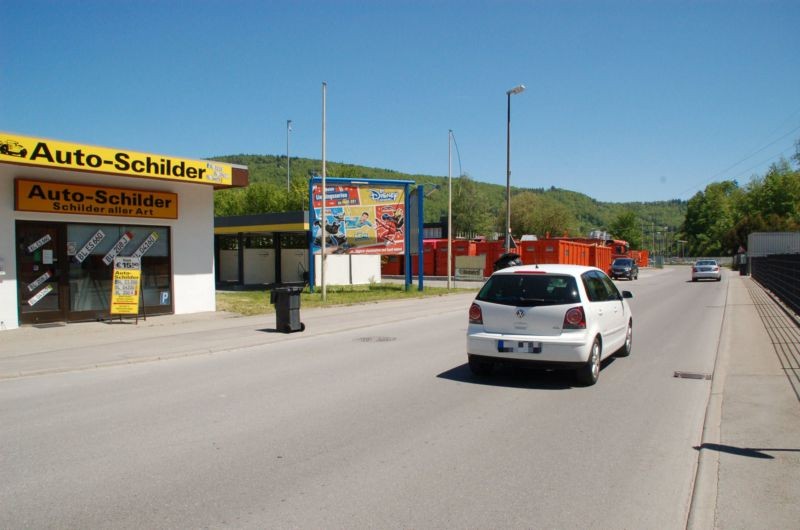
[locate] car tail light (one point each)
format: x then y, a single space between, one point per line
694 269
575 319
475 314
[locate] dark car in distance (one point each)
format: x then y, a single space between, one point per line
624 268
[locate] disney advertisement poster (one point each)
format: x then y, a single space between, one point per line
359 219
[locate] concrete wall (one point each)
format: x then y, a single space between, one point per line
259 266
8 281
229 265
294 262
344 269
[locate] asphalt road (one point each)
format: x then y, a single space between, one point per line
375 426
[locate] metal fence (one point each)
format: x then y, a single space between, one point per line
780 273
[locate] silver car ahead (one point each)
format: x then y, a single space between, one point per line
554 316
706 269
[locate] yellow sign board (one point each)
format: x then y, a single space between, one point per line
60 197
125 287
40 152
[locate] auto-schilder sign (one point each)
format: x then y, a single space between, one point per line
17 149
359 219
60 197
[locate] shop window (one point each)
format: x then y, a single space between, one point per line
90 271
227 242
258 241
294 240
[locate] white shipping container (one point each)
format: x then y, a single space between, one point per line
760 244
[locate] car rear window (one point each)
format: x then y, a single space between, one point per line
529 290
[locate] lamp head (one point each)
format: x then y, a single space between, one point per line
516 90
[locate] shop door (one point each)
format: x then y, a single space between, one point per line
41 283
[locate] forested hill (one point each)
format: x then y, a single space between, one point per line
478 206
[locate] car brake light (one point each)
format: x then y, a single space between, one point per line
575 319
475 314
694 269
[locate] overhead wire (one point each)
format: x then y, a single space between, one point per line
749 156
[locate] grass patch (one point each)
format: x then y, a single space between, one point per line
257 302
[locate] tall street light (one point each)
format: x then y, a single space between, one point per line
288 160
449 208
324 196
516 90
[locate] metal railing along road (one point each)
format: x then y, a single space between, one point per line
780 273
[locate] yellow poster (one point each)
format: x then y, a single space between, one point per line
125 287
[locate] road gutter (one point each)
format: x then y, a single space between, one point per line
703 505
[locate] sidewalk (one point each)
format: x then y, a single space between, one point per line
749 460
29 350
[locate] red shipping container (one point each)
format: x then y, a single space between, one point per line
492 250
600 257
460 247
555 251
392 266
428 261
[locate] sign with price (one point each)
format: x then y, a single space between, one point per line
126 286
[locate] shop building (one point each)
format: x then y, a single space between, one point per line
68 210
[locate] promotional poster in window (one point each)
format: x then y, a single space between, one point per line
359 219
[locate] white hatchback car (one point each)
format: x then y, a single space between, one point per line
553 316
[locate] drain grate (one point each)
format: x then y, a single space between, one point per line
376 339
691 375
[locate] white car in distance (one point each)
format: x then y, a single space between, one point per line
550 316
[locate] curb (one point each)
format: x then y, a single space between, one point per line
703 503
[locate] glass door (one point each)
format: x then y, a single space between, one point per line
40 290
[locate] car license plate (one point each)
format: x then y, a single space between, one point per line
518 346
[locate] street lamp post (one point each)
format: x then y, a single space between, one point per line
449 208
288 160
324 197
516 90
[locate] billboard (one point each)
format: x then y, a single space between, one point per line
360 218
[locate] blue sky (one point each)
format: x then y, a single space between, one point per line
625 101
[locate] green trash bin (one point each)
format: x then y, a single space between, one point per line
286 300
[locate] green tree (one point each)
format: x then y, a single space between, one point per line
537 214
626 226
470 212
709 217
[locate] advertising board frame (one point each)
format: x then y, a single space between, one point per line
353 189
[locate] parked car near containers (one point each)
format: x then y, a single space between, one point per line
554 316
706 269
625 268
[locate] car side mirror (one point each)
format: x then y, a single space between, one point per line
627 294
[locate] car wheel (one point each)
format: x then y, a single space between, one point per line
626 348
587 374
694 279
480 367
4 149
